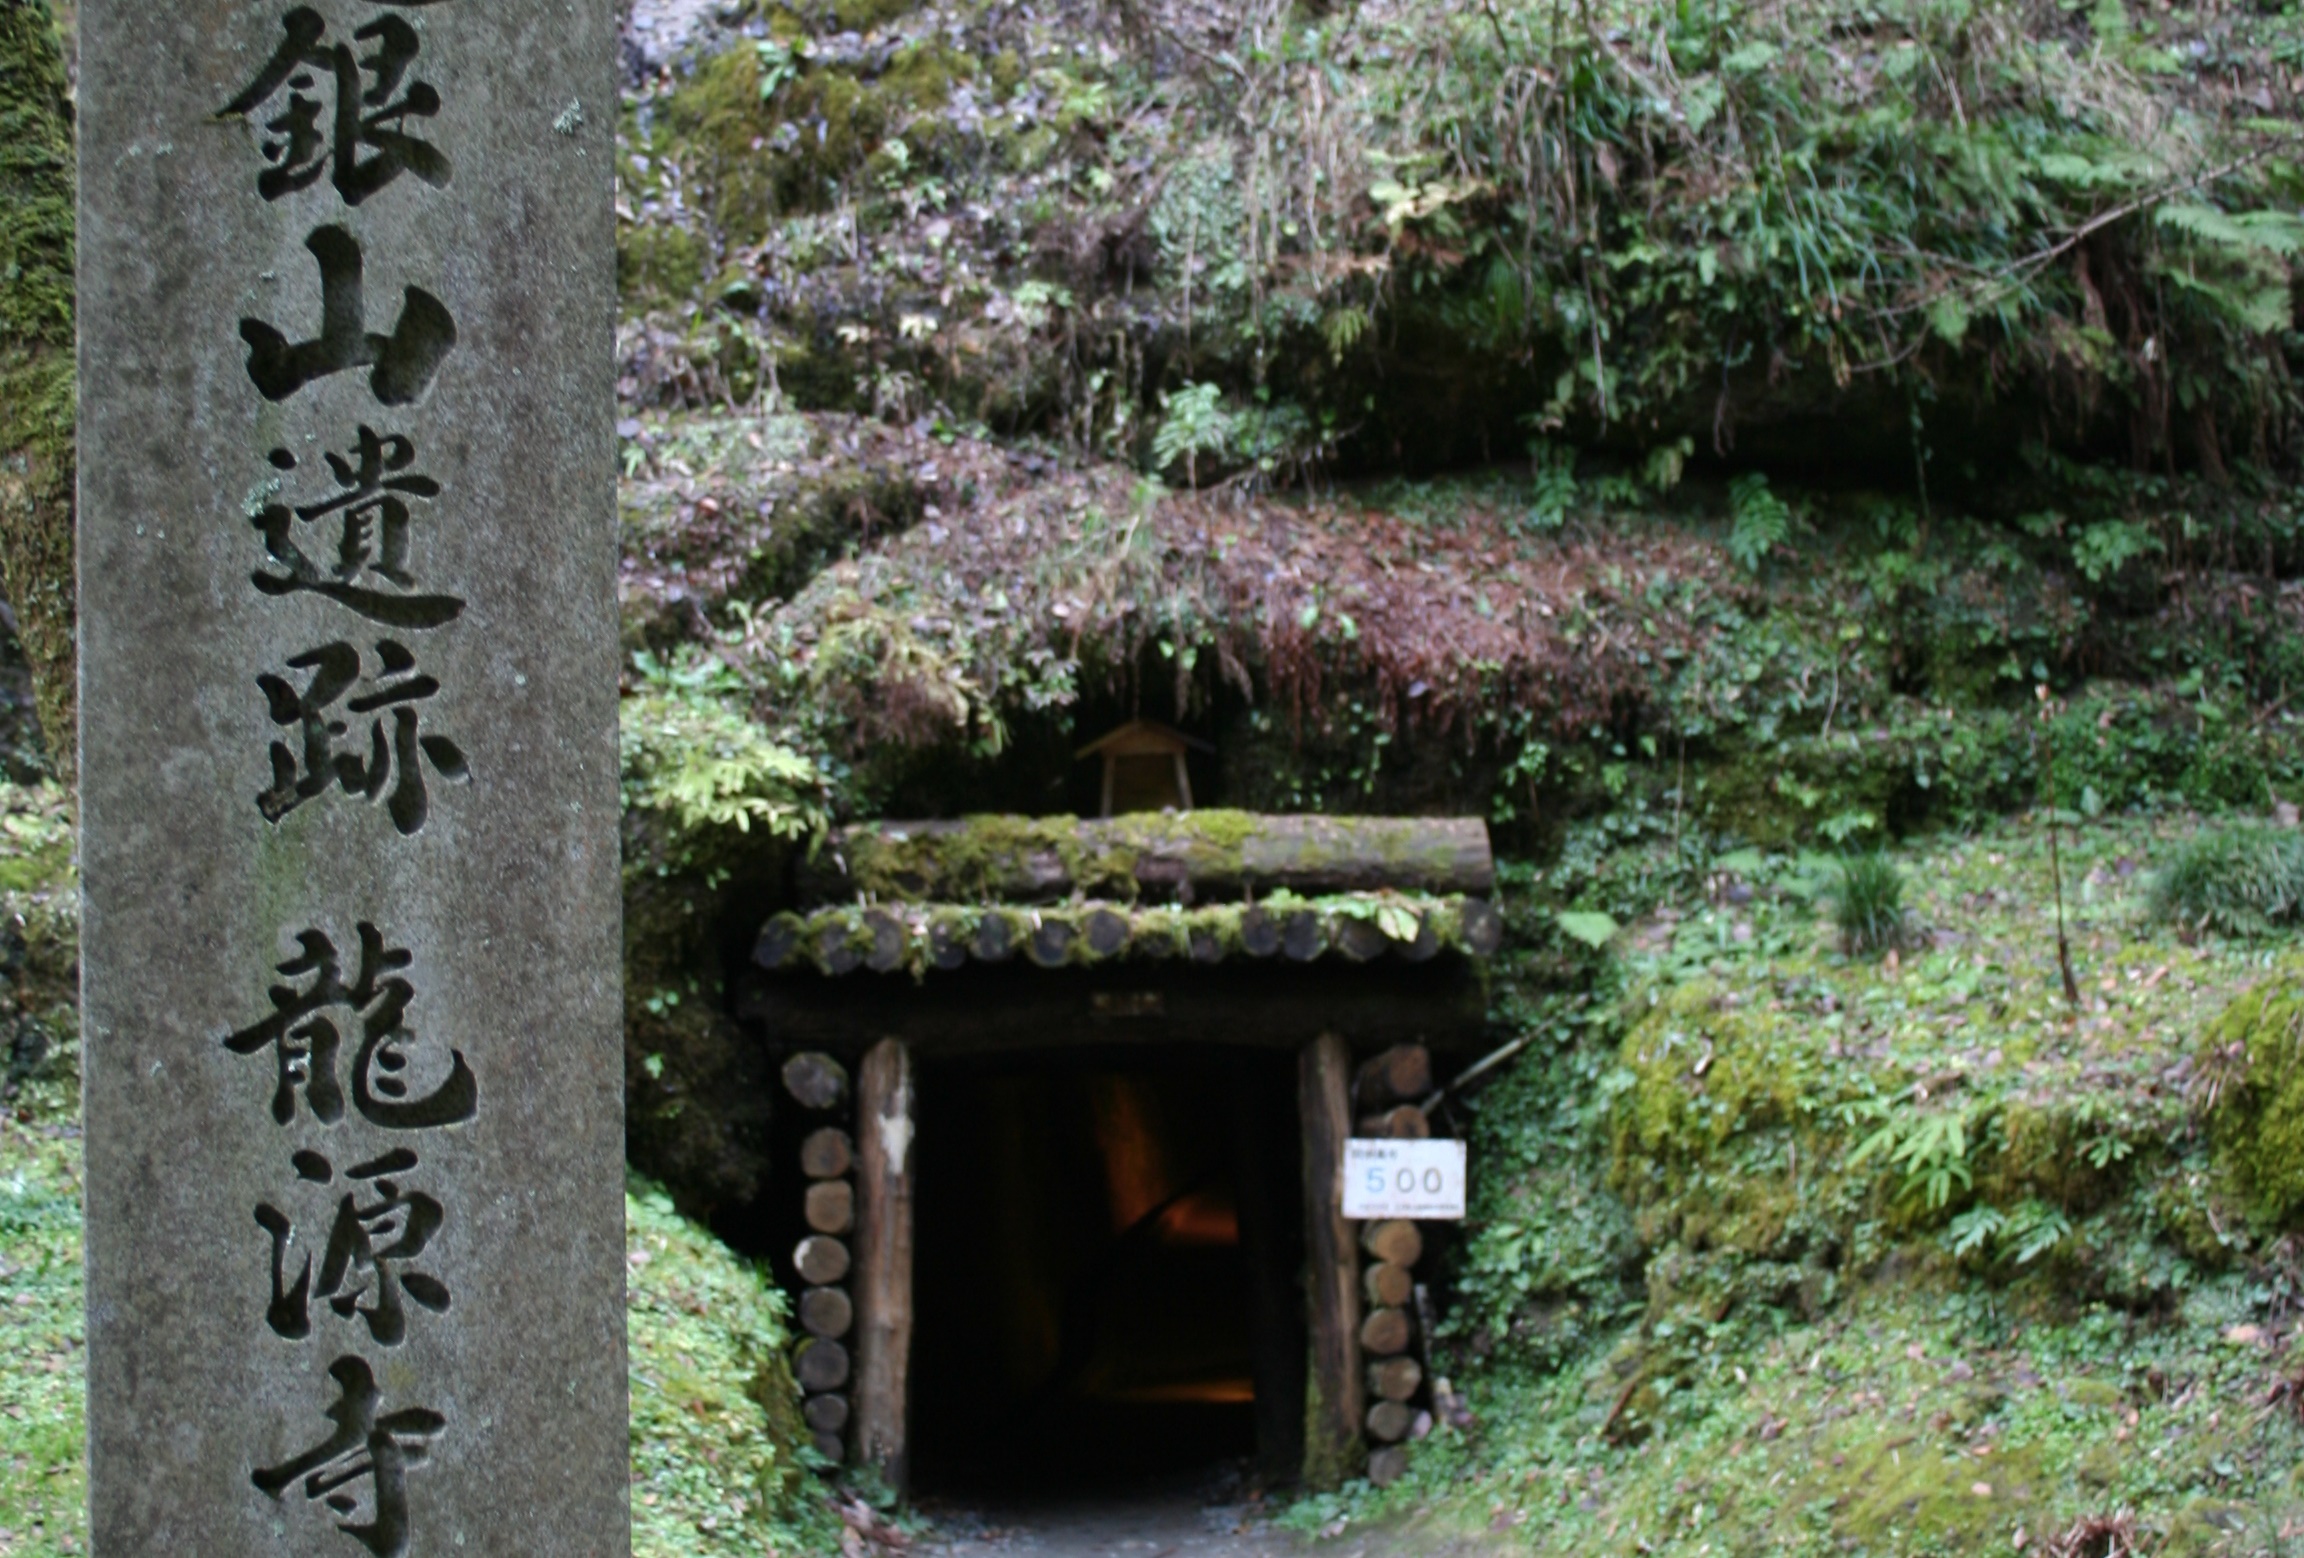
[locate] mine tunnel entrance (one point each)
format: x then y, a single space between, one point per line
1112 1236
1070 1102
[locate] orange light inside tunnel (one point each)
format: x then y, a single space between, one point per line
1135 1168
1139 1173
1222 1391
1200 1219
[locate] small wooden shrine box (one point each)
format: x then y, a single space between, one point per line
1144 767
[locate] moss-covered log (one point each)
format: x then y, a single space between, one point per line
1356 927
1184 857
36 369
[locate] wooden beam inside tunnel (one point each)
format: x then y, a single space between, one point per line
1266 1150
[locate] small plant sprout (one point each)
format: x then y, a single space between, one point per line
1868 904
2055 850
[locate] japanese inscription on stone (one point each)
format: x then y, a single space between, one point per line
354 1127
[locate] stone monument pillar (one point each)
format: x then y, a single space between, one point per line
348 766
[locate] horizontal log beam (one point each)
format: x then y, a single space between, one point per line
918 938
1177 857
984 1008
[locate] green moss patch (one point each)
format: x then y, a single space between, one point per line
716 1430
2251 1065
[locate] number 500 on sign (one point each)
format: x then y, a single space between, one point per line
1419 1179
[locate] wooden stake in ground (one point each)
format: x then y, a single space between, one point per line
1332 1440
884 1117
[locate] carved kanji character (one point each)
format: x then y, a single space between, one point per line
369 1250
365 1446
305 1039
403 362
371 509
395 760
333 114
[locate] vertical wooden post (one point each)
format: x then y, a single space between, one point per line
1333 1403
1265 1155
884 1124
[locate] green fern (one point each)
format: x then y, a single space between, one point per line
1759 521
687 750
1194 422
1931 1149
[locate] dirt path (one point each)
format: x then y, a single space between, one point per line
1164 1525
1178 1522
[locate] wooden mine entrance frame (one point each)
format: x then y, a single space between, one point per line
1340 938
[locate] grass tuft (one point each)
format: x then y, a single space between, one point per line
1868 904
2244 880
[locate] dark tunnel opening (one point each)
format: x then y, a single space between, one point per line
1106 1285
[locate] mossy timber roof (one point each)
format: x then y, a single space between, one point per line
1196 887
1193 857
918 937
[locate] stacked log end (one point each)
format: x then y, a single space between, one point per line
1386 1331
826 1314
1388 1280
1386 1286
827 1419
827 1154
1401 1075
1387 1466
821 1260
1395 1379
1405 1123
831 1207
816 1081
1395 1240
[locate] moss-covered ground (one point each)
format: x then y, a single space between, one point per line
42 1419
1779 1250
43 1485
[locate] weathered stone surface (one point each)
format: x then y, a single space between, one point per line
351 951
